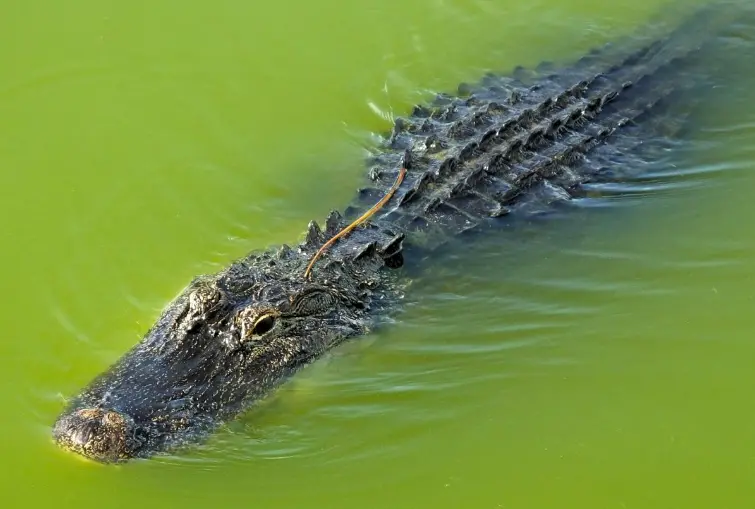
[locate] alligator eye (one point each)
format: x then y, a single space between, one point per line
263 325
312 301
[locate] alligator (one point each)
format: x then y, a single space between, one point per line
510 145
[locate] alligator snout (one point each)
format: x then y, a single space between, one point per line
103 435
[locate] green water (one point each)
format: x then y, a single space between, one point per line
141 143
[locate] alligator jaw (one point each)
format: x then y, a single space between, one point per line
140 404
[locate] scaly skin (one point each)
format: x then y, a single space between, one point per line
507 145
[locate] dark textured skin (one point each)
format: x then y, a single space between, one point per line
504 146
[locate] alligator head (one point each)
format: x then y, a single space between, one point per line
224 342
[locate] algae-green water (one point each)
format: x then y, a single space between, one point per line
606 364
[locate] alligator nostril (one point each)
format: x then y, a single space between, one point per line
80 437
103 435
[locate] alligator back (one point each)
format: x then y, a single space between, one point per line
523 143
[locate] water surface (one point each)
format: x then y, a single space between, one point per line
601 362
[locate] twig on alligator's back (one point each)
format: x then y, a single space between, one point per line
358 221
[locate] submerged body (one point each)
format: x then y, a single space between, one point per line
507 146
